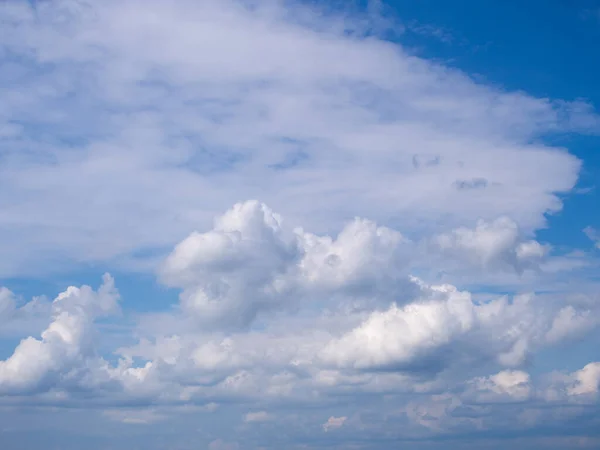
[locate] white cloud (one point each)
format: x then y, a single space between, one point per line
398 336
127 124
163 113
586 380
571 321
593 234
334 423
512 383
446 326
492 244
249 263
322 316
41 363
257 416
237 269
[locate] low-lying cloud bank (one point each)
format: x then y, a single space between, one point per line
270 315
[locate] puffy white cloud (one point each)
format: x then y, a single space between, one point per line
492 244
586 380
411 355
446 326
571 321
343 316
43 363
250 263
361 255
514 384
236 270
399 336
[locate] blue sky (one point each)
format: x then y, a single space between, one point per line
545 48
299 224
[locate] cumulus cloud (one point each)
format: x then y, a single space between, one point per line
492 244
586 380
446 326
42 363
510 400
339 310
292 319
250 263
514 384
571 320
238 268
337 315
398 336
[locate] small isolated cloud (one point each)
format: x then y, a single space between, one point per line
334 423
514 384
586 381
594 235
258 416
